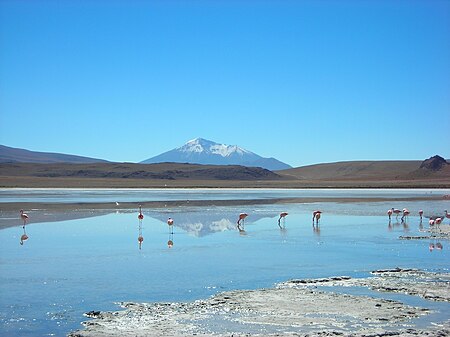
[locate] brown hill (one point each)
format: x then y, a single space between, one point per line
166 171
15 155
357 174
351 170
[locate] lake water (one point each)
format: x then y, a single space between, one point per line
64 195
67 268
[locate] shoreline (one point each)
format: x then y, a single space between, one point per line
307 307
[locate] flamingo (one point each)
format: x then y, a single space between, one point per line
242 217
420 214
431 247
389 213
396 211
439 246
431 222
282 216
140 216
170 221
437 222
405 214
24 217
316 215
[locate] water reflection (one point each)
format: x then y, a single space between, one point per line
170 241
140 218
201 223
24 236
316 229
140 237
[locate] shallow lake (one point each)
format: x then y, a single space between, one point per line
66 268
64 195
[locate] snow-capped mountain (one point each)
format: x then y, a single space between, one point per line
202 151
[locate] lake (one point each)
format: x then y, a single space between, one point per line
66 268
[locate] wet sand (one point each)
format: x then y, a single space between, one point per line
292 308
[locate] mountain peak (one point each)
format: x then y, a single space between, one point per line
204 151
434 163
201 145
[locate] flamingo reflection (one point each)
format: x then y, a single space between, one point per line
24 236
140 237
316 229
170 241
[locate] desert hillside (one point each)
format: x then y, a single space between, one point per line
433 172
354 170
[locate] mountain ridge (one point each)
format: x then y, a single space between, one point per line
17 155
206 152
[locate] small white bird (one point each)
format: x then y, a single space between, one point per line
117 204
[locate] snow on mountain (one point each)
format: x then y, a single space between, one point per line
203 151
209 147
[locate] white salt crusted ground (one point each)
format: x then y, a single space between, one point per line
293 308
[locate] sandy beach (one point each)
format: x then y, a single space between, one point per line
293 308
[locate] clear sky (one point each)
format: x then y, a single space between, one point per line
303 81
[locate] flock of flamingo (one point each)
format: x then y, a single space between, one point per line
434 222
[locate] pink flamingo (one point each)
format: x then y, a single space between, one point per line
282 216
396 212
316 215
389 213
431 247
421 214
438 221
405 214
170 221
241 220
24 217
431 222
140 216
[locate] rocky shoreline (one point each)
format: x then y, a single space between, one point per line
294 308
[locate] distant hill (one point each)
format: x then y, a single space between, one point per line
15 155
372 170
202 151
164 171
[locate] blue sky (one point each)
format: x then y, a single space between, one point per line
303 81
